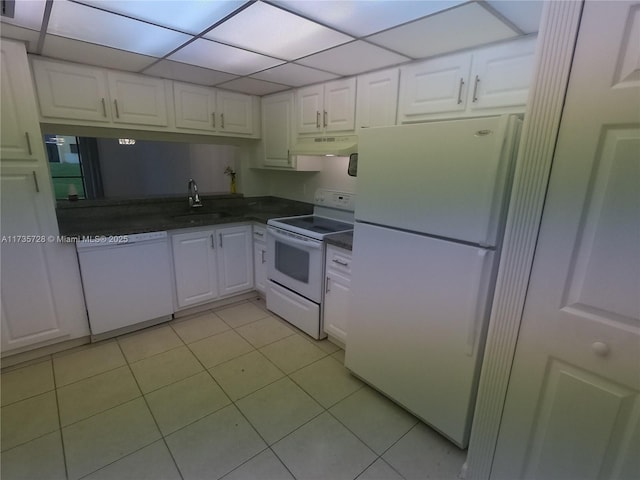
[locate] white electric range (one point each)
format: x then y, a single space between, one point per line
296 258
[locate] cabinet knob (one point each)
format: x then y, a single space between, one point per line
600 348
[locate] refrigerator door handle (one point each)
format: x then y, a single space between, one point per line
478 293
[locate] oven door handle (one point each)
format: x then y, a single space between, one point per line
295 240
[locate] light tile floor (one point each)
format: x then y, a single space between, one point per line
232 393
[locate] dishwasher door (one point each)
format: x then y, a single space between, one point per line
126 283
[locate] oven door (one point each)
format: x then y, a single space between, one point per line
295 261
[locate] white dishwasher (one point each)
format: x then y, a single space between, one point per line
126 281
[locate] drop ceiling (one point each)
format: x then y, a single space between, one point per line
261 47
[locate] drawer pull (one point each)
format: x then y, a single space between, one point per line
327 289
213 242
260 234
460 91
340 262
475 89
220 235
262 255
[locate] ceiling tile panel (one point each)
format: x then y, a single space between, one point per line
463 27
253 86
187 73
360 18
294 75
27 14
81 52
272 31
190 16
353 58
524 14
216 56
91 25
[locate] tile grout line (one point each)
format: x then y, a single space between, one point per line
62 443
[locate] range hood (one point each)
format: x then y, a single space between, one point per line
339 146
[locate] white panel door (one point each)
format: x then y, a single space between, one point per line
573 404
195 106
434 86
501 75
195 265
310 105
18 110
137 99
29 310
235 259
377 99
236 112
71 91
339 105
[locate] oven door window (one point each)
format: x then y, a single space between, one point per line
292 262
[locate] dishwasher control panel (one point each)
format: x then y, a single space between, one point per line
87 241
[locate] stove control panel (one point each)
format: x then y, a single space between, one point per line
335 199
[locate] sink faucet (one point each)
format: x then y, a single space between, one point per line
194 198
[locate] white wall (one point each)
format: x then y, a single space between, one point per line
302 185
163 168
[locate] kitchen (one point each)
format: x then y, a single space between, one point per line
253 182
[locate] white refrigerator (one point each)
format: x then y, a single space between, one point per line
430 208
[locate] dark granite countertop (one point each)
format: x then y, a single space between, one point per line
128 216
342 240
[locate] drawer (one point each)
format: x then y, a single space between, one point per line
259 233
338 260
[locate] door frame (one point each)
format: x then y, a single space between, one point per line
554 54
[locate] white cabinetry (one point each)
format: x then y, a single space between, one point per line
78 92
41 299
329 107
236 112
212 263
337 292
235 265
377 99
486 81
195 106
277 126
260 258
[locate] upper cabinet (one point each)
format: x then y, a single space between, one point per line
81 95
489 80
277 126
327 108
20 128
377 99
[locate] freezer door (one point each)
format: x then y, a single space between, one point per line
417 322
444 178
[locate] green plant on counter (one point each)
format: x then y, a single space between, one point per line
229 171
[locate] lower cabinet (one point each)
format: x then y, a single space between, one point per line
212 263
260 258
337 294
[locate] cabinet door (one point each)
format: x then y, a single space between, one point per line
277 124
336 305
340 105
260 266
71 91
235 259
137 99
501 75
236 112
195 106
432 87
195 264
310 107
29 311
19 115
377 99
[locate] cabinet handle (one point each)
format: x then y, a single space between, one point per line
475 89
213 242
115 102
262 255
288 157
222 120
324 119
213 119
327 288
340 262
460 91
26 134
220 235
35 181
317 119
104 108
260 234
